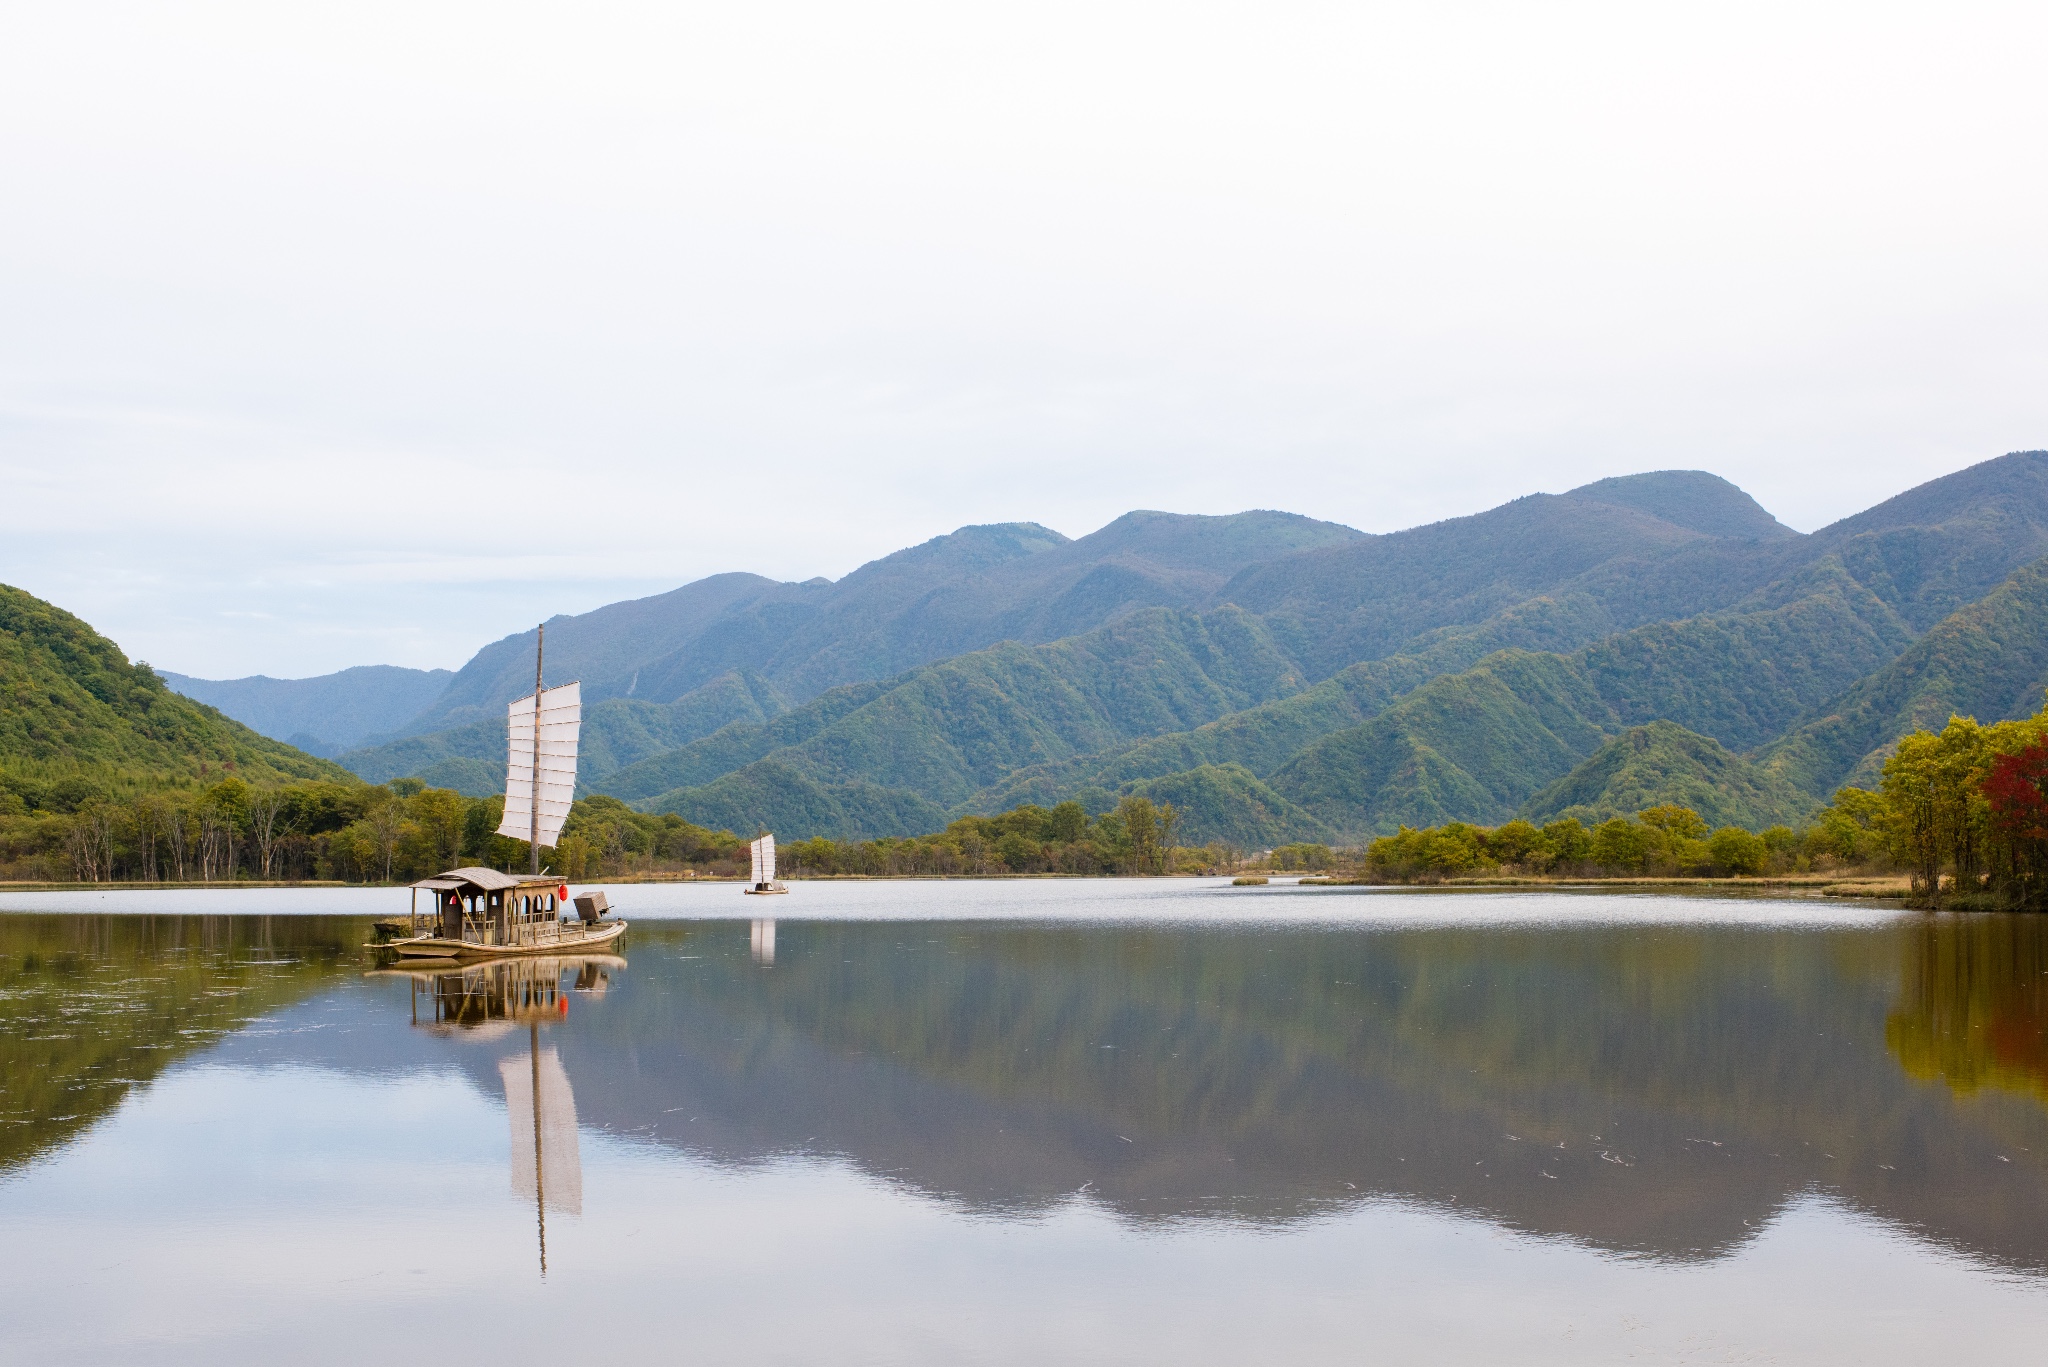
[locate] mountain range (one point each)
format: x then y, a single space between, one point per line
1276 677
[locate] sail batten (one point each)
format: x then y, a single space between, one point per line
764 860
553 771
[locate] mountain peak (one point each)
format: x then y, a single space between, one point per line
1693 499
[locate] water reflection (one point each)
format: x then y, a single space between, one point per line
1663 1092
93 1006
486 1001
1973 1005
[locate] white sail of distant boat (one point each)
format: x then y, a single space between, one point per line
764 860
547 1167
559 723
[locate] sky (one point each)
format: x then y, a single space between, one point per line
337 334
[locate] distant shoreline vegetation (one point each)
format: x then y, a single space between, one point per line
1962 813
75 831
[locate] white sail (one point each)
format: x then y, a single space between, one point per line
764 859
561 723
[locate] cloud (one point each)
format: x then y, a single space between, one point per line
502 308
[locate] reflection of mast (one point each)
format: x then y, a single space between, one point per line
545 1160
764 942
540 1186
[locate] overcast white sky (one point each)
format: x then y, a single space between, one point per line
359 333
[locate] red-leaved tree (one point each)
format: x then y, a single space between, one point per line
2016 790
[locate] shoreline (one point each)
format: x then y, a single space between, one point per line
1888 887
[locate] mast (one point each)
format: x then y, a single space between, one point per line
533 802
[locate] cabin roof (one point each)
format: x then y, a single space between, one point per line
485 880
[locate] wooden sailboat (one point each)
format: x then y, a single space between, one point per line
482 913
763 881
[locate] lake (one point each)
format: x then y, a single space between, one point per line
1139 1121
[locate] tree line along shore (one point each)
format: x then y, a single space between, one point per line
1961 813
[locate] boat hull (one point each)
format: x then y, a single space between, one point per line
574 942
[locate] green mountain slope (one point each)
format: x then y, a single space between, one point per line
1988 660
1228 803
1265 737
1467 746
946 731
617 733
735 745
1662 762
72 706
1474 746
1425 738
768 795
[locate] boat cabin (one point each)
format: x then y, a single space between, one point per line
485 907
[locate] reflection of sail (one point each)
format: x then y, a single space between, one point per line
763 944
554 1174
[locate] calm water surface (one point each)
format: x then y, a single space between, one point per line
1028 1122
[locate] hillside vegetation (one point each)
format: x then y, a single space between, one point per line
1643 641
76 717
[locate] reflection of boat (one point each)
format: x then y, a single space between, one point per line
487 1000
763 943
763 880
482 913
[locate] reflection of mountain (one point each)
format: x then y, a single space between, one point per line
1662 1091
1658 1090
91 1006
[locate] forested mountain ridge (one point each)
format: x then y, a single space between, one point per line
1372 598
76 715
1023 582
945 731
1429 722
1663 763
951 595
1988 660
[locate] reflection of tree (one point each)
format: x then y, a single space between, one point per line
92 1005
1974 1005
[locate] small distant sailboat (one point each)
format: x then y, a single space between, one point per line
481 913
763 881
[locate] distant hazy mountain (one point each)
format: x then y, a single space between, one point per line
325 714
616 733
